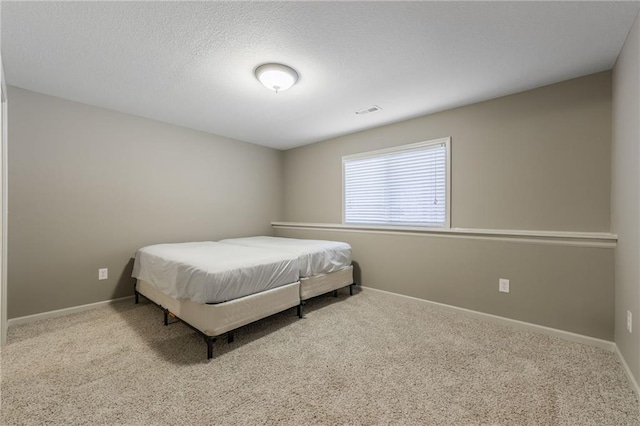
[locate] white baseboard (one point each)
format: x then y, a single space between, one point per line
566 335
61 312
632 380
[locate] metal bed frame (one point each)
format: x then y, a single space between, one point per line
210 340
335 294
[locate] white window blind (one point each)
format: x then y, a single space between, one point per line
405 186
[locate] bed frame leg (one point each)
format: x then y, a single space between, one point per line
301 310
166 316
210 341
135 291
351 289
230 337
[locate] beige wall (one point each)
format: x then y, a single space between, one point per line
567 288
538 160
535 160
625 197
88 186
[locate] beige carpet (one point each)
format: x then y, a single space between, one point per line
371 358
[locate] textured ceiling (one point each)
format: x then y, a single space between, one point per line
192 64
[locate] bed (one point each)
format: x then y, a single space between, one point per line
324 265
215 288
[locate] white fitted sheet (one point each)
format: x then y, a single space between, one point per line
210 272
314 256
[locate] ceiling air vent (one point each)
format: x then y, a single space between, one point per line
372 108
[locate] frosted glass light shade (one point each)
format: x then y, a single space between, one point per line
276 77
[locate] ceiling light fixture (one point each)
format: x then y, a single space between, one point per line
276 77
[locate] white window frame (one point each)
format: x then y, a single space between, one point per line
447 143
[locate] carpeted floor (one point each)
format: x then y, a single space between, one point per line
371 358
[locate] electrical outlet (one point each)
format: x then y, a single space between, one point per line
103 273
629 321
503 285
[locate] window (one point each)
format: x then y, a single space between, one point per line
401 186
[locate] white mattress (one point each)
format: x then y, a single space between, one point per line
315 256
209 272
